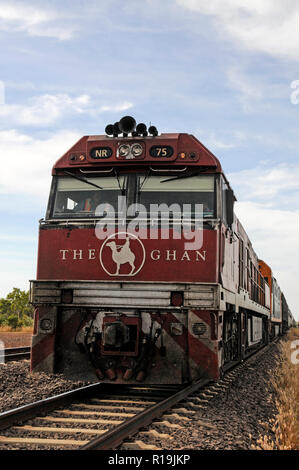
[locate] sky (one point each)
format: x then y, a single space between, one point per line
227 72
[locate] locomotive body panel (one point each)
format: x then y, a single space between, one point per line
185 349
77 254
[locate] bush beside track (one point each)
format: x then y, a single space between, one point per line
285 382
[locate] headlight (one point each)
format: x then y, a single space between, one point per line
124 150
136 150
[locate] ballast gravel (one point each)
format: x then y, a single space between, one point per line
18 387
230 419
234 418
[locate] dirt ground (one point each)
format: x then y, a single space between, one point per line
15 339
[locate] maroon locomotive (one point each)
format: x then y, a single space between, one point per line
122 296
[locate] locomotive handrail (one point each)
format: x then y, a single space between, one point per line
93 221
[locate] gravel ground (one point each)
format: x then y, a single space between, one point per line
235 415
18 387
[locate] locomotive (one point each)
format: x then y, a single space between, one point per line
144 272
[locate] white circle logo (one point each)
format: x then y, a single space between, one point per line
122 254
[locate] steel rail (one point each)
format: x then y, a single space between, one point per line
115 437
30 411
15 354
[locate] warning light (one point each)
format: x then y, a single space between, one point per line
82 157
182 155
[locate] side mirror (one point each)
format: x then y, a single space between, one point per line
230 200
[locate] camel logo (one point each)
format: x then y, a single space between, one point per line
122 254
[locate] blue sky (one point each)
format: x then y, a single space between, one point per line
220 70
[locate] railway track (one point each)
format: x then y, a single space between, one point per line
106 416
97 416
16 354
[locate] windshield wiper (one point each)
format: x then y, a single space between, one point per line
82 179
144 180
121 188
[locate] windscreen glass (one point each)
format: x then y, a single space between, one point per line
188 191
75 198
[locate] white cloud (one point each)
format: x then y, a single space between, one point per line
16 238
276 186
254 90
221 140
249 92
274 236
267 26
116 108
243 84
16 270
268 208
27 162
18 17
45 110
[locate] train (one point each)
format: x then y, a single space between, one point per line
144 272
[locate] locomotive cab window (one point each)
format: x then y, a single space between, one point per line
75 198
170 190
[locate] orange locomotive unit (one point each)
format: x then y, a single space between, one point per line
123 296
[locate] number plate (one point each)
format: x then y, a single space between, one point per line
101 152
161 152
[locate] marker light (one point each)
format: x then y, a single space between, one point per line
136 150
46 324
124 150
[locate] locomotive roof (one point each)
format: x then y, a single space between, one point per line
184 150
